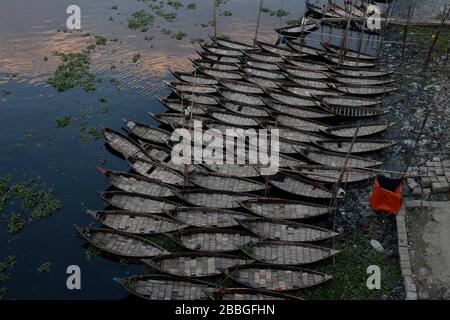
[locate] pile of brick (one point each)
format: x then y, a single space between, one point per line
434 178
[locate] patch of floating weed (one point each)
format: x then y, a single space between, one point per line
175 4
5 266
168 16
227 13
63 122
197 40
16 223
192 6
45 267
91 252
100 40
103 99
136 57
141 20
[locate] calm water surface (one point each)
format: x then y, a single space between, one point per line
31 145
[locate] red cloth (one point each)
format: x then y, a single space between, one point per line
384 200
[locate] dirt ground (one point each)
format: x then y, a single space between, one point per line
430 250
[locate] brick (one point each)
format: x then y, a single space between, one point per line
436 159
439 187
442 179
411 295
407 272
409 284
405 264
426 182
417 191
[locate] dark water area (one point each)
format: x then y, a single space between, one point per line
32 146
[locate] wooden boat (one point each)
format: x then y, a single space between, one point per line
308 74
307 64
273 208
363 81
213 239
346 101
211 64
272 75
274 49
298 30
237 170
291 99
353 112
287 252
175 119
155 151
198 98
242 86
288 146
302 112
213 198
136 183
223 51
355 10
230 294
275 229
348 53
264 57
148 133
220 74
309 92
360 146
298 186
263 82
194 78
233 118
326 174
165 287
136 223
361 73
277 277
179 106
316 84
227 43
122 144
303 49
285 161
240 97
333 159
348 131
217 181
244 109
189 88
270 66
366 90
219 58
299 123
338 10
207 217
347 62
295 134
195 264
121 243
137 202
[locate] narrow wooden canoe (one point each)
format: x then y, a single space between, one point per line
191 88
348 131
213 198
249 294
122 144
303 49
218 65
223 51
233 118
228 43
147 133
165 287
136 223
299 123
242 86
262 65
175 119
316 84
346 101
366 90
263 82
207 217
347 62
220 74
304 73
244 109
308 92
195 264
219 58
155 151
295 134
274 229
217 181
307 64
291 99
298 186
302 112
287 252
190 77
137 202
360 146
213 239
277 277
179 106
288 146
317 11
264 57
197 98
272 75
297 30
282 51
326 174
121 243
273 208
136 183
348 53
287 161
362 73
337 160
363 81
240 97
353 112
237 170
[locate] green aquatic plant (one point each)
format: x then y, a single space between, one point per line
63 122
115 7
45 267
141 20
103 99
136 57
100 40
16 223
91 252
227 13
168 16
175 4
192 6
197 40
5 266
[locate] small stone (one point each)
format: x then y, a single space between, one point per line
417 191
426 182
411 183
446 295
376 245
424 271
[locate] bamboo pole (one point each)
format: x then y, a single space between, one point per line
362 32
215 21
344 39
405 31
261 3
433 44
